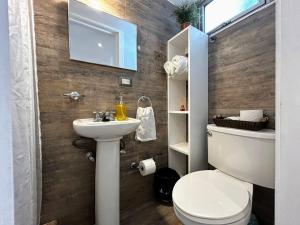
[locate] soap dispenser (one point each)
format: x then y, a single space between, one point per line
121 110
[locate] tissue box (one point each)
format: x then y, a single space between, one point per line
252 115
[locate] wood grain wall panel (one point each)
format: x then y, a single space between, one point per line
68 177
242 67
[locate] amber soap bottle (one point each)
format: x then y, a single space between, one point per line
121 110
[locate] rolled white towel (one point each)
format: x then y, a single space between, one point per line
169 68
180 64
252 115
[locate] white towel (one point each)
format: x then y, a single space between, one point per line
146 130
169 68
180 64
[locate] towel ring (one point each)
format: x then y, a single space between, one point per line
144 98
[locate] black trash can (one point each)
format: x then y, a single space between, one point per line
164 181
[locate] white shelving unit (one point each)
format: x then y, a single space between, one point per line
179 112
187 129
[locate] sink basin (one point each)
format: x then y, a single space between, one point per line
104 130
107 135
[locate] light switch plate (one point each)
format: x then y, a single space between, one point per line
125 81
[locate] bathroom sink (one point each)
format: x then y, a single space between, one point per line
107 135
104 130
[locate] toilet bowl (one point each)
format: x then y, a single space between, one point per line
212 197
224 196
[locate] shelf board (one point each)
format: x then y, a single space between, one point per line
184 76
182 147
178 112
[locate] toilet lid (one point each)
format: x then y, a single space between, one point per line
210 194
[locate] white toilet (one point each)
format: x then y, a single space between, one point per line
224 196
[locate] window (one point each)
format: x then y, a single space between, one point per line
219 13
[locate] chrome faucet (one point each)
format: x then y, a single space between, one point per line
104 116
98 116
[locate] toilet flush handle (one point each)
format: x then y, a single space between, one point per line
209 133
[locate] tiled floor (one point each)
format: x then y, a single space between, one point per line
151 213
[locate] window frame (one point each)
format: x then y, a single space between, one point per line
232 20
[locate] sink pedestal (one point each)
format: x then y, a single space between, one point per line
108 182
107 135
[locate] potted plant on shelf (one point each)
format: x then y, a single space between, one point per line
187 14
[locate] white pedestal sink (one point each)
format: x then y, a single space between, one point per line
107 135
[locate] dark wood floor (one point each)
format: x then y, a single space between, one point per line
151 213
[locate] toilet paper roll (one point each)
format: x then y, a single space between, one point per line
252 115
147 167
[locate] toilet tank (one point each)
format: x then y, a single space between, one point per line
246 155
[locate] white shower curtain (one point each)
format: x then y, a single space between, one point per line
25 114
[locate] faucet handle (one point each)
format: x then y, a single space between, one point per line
97 112
112 115
98 116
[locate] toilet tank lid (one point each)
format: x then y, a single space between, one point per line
263 134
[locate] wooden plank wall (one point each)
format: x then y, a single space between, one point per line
68 177
242 67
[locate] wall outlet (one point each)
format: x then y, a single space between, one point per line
125 81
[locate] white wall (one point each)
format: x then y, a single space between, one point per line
288 113
6 169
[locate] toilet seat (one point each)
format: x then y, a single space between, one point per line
212 197
187 219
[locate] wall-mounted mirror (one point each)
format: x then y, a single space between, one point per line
100 38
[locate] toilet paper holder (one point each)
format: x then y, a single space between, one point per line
135 165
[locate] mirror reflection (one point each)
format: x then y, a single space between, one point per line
100 38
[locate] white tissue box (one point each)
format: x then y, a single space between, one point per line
252 115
